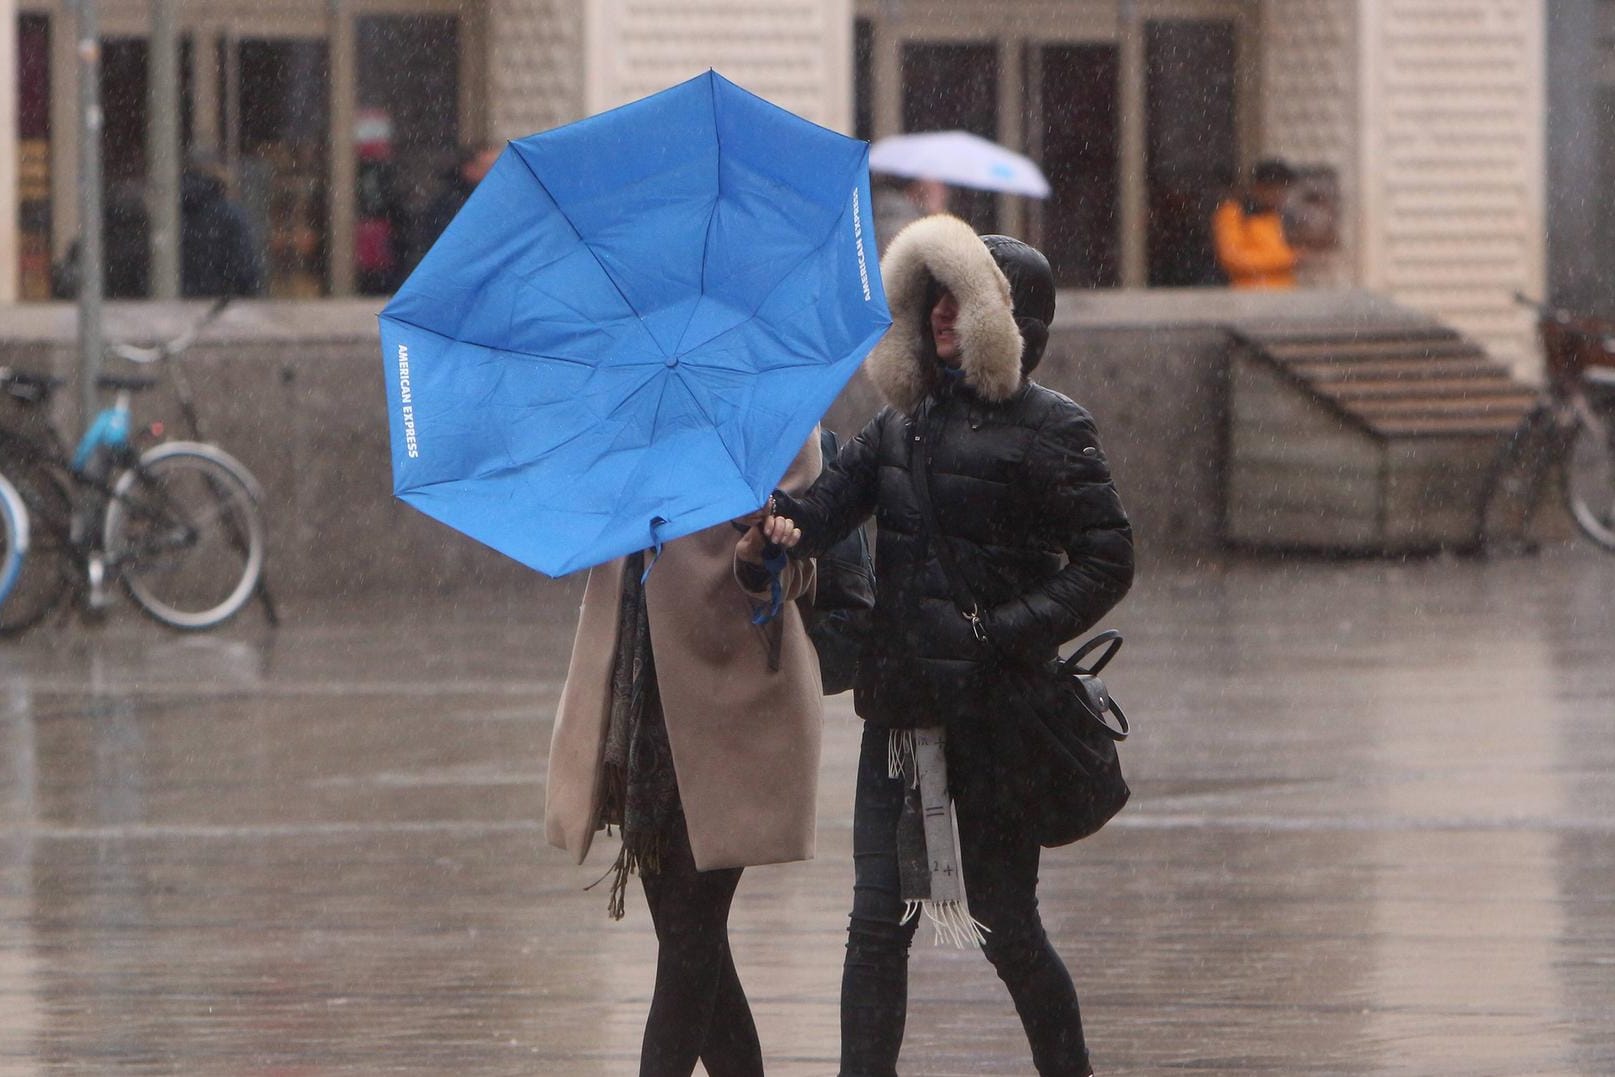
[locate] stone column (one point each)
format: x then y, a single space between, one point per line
1580 269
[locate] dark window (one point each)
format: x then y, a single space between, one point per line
279 110
1079 136
955 87
33 156
1193 151
125 234
407 138
123 102
33 76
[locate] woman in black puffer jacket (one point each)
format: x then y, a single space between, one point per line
1022 494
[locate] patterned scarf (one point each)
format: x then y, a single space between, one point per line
930 873
640 794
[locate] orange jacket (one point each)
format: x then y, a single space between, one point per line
1251 247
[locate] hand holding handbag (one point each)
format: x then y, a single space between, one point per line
1056 743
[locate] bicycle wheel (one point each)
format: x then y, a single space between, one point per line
47 571
1515 478
184 533
1589 476
13 538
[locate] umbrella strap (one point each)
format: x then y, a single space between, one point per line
775 564
656 546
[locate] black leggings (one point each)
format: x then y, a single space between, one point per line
999 859
699 1010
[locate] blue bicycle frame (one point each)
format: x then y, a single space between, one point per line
108 430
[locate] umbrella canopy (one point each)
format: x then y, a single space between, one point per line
961 159
632 326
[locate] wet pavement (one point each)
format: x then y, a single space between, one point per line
1373 833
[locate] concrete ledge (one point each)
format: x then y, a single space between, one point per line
294 389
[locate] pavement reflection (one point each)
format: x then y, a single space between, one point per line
1374 832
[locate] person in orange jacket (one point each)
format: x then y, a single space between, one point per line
1248 230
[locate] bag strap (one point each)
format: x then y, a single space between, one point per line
1109 638
919 467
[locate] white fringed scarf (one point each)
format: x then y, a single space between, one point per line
930 873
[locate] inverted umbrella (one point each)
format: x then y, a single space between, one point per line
961 159
630 329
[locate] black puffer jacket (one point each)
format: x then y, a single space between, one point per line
1019 484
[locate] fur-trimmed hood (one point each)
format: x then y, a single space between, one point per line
947 250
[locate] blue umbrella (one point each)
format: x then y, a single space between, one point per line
631 328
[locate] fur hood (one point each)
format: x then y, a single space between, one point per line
948 250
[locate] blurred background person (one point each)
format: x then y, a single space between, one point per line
217 251
1248 230
381 230
470 165
900 201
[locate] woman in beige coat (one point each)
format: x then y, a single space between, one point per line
695 731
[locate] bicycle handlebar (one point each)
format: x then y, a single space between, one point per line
168 349
1571 324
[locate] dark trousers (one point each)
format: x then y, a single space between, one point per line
699 1010
999 859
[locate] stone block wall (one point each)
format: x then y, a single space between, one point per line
295 391
535 65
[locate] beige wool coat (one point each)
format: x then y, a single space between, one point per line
745 740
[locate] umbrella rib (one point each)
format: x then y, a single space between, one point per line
777 284
706 241
712 215
586 245
516 351
549 294
711 422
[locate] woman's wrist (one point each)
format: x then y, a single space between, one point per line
751 575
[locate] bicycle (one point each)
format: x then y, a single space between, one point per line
178 524
13 537
1566 439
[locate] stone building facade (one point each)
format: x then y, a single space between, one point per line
1430 118
1433 114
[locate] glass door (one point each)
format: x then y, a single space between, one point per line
1078 133
946 87
33 156
1192 143
406 140
274 125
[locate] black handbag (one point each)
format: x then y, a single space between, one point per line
1062 744
1054 753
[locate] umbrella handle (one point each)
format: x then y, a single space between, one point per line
774 560
656 546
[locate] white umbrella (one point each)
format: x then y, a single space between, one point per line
958 158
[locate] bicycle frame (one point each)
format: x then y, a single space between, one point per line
1566 440
108 431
